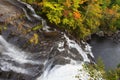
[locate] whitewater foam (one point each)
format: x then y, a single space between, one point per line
15 53
66 72
73 44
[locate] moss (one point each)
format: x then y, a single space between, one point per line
37 27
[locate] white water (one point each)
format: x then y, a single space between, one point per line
68 71
73 44
31 9
65 72
5 66
14 53
10 54
59 72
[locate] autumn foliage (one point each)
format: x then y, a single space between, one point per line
76 15
81 18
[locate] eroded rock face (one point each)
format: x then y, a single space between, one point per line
14 24
8 12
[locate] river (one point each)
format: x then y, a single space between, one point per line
106 49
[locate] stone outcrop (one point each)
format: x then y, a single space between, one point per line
8 12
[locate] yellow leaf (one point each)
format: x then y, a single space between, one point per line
34 39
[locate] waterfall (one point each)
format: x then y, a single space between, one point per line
11 55
29 12
68 71
14 59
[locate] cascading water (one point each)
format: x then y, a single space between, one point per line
62 62
68 71
12 58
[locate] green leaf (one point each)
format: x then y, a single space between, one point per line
37 27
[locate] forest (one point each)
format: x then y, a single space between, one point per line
81 18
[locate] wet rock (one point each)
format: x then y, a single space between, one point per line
116 37
8 12
4 75
91 58
100 34
76 55
51 34
60 60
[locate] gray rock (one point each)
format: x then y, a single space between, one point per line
100 34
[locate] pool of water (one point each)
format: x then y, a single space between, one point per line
107 50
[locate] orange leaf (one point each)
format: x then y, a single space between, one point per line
76 15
